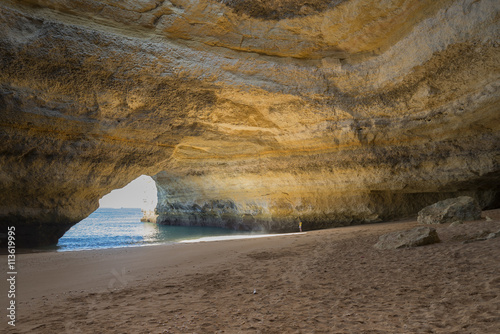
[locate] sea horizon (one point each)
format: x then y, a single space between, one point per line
122 227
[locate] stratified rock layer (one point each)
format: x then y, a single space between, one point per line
249 114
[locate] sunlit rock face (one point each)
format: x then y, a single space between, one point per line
249 114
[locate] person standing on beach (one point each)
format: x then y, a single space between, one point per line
300 226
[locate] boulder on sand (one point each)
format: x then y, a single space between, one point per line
418 236
462 208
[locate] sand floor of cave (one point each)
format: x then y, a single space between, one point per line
329 281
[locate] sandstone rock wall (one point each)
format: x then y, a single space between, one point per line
250 114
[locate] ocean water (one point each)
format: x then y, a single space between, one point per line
113 228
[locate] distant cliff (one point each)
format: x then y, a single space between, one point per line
249 114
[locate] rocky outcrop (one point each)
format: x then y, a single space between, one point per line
450 210
249 114
419 236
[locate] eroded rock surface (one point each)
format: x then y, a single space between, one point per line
249 114
419 236
450 210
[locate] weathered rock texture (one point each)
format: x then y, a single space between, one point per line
419 236
250 114
450 210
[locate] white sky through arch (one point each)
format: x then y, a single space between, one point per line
140 193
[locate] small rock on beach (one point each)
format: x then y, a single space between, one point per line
418 236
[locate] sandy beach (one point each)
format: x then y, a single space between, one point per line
328 281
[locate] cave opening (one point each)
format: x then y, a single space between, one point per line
126 217
121 219
139 194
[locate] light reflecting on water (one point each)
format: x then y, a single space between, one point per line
112 228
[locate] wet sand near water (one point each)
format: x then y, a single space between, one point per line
329 281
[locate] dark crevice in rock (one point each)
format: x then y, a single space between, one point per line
280 9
